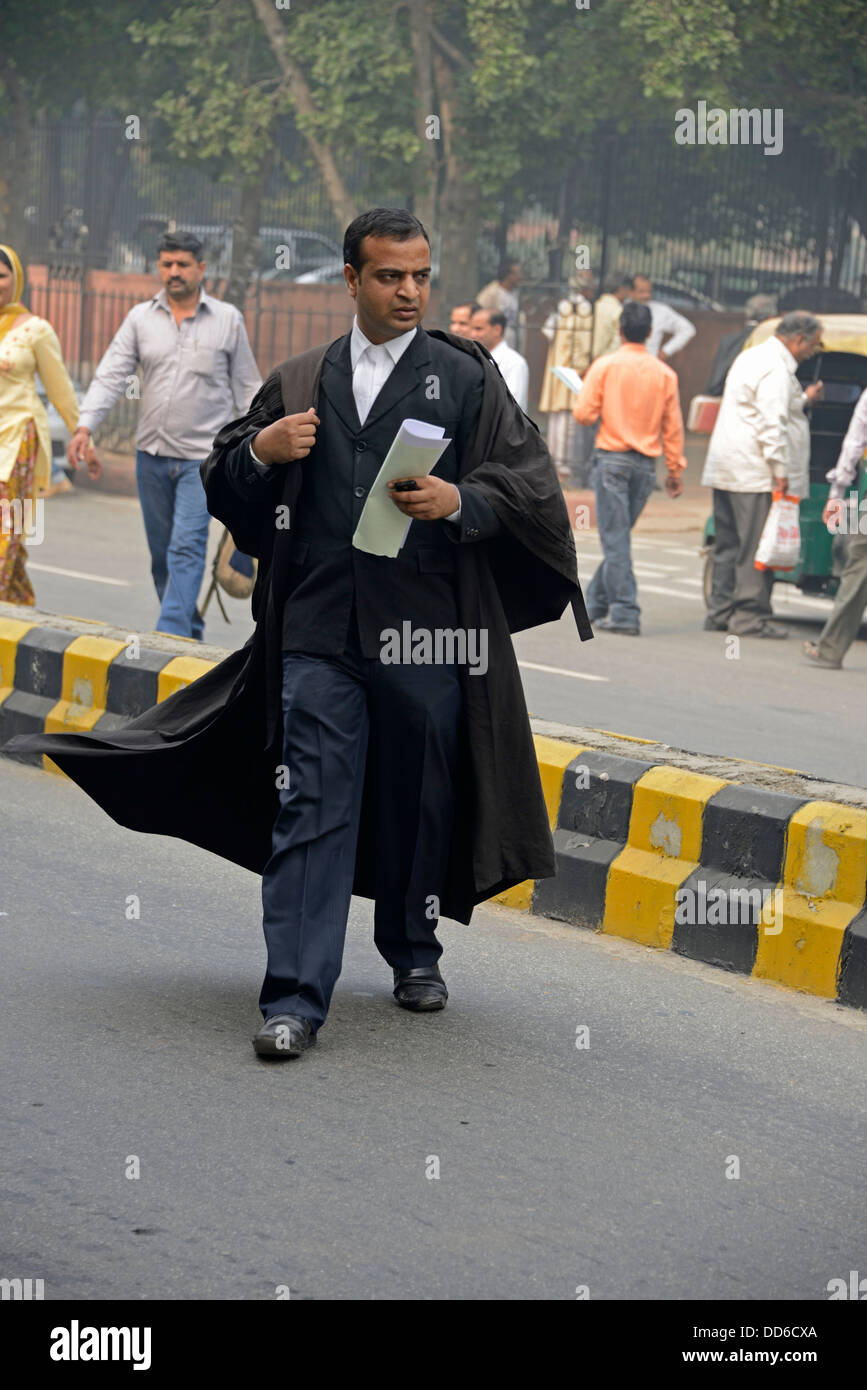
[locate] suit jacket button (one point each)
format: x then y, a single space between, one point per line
472 530
360 446
360 491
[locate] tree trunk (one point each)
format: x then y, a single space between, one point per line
425 202
246 248
16 165
341 200
458 206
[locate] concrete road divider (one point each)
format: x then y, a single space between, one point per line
756 869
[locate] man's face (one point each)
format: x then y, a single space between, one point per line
459 322
803 346
642 290
181 273
512 279
484 331
392 288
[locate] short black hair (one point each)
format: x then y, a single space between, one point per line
506 266
617 280
495 319
635 320
180 241
4 259
392 224
467 304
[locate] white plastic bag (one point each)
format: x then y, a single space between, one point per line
780 545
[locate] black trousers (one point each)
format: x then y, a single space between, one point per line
346 717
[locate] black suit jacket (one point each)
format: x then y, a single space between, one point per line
432 382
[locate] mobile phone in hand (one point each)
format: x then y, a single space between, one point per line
410 485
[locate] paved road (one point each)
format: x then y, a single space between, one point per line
676 683
559 1167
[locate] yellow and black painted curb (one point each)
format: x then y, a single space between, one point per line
742 876
739 876
65 679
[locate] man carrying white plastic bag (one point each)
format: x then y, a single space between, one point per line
780 543
760 448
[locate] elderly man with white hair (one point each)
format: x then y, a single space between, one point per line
760 445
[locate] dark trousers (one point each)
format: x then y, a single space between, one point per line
344 717
740 594
850 601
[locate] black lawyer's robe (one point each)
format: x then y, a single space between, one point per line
202 764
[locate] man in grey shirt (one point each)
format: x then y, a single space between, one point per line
198 372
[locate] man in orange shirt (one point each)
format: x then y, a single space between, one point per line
635 398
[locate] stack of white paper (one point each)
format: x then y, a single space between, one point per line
416 449
568 376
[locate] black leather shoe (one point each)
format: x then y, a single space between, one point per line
421 990
284 1035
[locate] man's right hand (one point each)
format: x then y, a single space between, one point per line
781 484
288 439
78 448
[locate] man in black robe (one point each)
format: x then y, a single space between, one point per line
311 755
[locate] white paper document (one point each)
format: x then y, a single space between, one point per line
416 449
568 376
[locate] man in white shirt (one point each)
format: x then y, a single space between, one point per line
760 445
489 329
665 322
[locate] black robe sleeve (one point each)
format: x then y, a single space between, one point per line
237 494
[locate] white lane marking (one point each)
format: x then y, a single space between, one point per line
670 593
80 574
824 605
694 554
656 571
558 671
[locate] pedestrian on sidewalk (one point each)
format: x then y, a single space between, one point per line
373 737
758 308
197 372
28 345
489 328
635 399
501 297
760 445
569 330
670 331
850 600
606 314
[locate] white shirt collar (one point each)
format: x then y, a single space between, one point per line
395 347
204 301
501 350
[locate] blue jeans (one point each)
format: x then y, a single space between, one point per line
176 522
622 484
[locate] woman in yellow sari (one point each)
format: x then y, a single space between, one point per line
28 344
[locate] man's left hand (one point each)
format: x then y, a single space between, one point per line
432 498
673 485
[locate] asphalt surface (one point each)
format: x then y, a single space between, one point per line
676 683
559 1167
